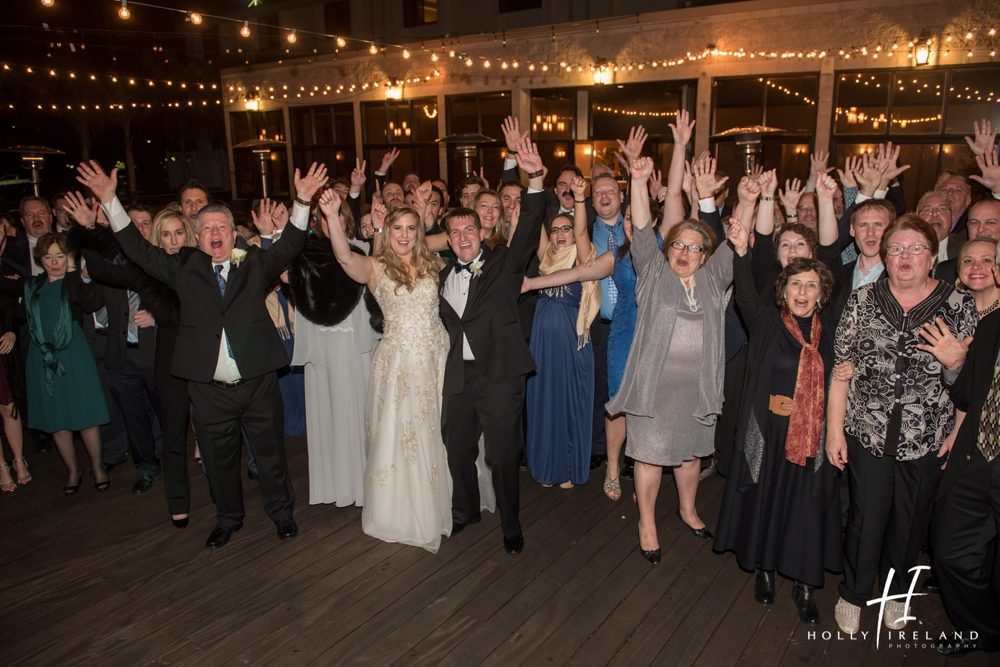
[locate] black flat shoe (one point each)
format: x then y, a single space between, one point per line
701 533
954 649
654 556
220 537
73 489
805 602
143 484
287 528
763 590
514 545
179 523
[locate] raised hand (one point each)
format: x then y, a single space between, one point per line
280 215
768 182
985 138
527 156
578 187
387 160
748 190
705 180
656 185
870 175
989 165
308 185
640 169
379 213
848 175
264 221
826 187
739 236
482 177
791 195
422 195
632 147
683 129
755 171
329 205
101 184
82 214
358 177
511 128
943 345
888 164
818 164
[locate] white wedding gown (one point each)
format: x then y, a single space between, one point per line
407 483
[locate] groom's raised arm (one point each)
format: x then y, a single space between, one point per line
525 240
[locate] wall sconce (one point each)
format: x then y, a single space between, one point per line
394 91
922 50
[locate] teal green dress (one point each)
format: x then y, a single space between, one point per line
77 400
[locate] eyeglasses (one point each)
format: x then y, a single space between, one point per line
915 249
566 229
692 248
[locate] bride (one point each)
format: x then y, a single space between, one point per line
407 495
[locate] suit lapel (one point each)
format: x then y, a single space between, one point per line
475 284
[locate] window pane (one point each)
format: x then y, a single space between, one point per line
375 125
791 103
343 124
738 103
552 114
615 109
862 103
424 121
973 95
790 159
917 102
494 108
463 114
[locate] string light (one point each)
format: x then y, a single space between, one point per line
291 37
113 78
195 18
245 30
124 13
48 3
341 42
373 49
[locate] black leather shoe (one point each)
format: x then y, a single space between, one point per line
763 590
654 556
701 533
805 602
143 484
932 586
108 467
220 537
597 460
514 545
954 649
287 528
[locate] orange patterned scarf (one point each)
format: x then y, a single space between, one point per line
805 425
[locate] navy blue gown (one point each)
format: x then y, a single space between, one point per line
560 395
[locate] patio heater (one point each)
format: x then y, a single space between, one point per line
466 148
261 149
33 159
749 143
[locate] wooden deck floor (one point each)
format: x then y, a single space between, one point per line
104 578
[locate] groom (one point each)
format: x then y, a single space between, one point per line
488 359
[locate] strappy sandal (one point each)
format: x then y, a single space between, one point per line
7 484
21 468
613 488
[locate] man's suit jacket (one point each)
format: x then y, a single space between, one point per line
490 321
552 204
204 312
969 394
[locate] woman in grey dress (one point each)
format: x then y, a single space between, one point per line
672 386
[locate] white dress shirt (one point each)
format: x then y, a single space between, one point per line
456 293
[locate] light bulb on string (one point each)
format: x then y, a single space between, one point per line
373 50
245 30
48 3
406 53
341 42
124 13
291 37
195 18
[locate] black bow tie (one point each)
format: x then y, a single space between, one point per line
459 267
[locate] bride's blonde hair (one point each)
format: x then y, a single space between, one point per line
423 259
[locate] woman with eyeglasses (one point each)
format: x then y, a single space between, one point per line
560 395
671 390
893 422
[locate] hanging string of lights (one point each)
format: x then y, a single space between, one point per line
121 79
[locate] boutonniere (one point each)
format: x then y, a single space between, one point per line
476 268
237 256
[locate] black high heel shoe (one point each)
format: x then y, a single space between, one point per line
179 523
73 489
102 486
654 556
701 533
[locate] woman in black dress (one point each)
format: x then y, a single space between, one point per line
780 511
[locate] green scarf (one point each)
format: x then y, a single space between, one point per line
62 333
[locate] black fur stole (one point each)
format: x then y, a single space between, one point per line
320 289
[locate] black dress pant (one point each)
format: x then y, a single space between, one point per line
890 510
220 412
599 331
175 408
134 394
966 524
494 410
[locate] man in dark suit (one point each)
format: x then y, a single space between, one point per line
488 359
227 347
967 514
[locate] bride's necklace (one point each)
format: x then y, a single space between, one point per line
692 302
989 309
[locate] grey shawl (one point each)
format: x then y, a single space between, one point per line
659 293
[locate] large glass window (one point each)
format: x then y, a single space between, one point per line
266 125
419 12
553 127
324 134
410 126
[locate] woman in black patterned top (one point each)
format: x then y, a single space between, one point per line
906 338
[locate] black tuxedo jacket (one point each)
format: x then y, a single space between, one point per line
490 320
969 394
204 313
